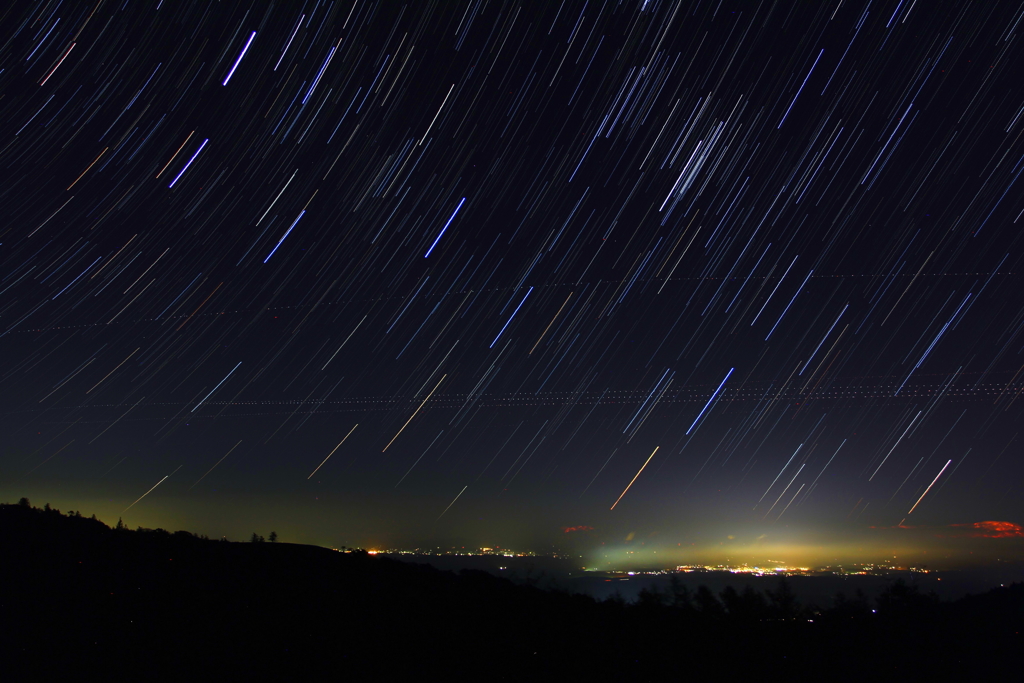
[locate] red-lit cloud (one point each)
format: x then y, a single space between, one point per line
993 529
989 529
570 529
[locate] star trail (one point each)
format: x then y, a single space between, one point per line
766 254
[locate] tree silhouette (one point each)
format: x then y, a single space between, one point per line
850 608
256 538
273 537
681 596
23 502
651 597
708 604
748 605
616 600
784 601
901 599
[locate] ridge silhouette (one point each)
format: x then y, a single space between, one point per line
80 598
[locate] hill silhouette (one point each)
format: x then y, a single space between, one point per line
80 598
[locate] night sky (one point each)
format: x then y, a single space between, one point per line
427 273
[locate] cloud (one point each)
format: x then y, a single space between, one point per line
993 529
570 529
988 529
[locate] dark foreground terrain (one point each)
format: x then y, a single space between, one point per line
78 598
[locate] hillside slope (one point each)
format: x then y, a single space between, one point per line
79 597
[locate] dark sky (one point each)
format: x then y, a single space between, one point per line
766 255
